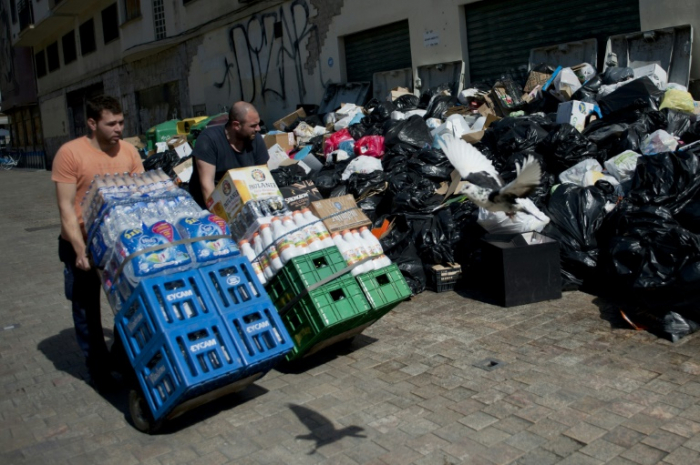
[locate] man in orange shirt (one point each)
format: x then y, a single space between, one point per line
75 166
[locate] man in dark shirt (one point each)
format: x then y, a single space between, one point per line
237 144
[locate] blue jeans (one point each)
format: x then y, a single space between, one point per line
83 289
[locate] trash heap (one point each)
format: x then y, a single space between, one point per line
619 190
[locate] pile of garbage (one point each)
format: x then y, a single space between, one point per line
619 190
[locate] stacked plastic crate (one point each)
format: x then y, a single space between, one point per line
192 332
322 303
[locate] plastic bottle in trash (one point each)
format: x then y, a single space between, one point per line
268 243
367 250
308 233
324 236
264 263
249 253
285 245
296 234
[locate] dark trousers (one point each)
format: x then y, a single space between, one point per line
83 289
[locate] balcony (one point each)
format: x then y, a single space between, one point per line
36 27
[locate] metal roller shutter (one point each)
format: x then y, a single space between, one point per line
375 50
501 32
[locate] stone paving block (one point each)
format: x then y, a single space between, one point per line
682 456
644 455
585 433
525 441
664 440
538 457
602 450
478 420
563 446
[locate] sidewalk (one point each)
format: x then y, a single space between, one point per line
571 390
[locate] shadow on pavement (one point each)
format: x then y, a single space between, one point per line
321 429
344 347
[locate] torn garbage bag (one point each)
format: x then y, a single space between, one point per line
413 132
565 147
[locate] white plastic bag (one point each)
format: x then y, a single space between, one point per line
343 123
467 95
398 115
336 156
658 142
362 164
304 132
433 123
565 84
576 174
623 166
420 113
532 219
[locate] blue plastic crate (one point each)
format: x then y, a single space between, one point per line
159 304
187 361
263 339
232 283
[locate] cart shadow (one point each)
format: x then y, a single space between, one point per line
326 355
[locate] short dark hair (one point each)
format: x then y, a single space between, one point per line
96 105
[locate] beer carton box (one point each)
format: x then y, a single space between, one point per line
300 195
241 185
340 213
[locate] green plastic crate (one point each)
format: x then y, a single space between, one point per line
302 272
327 312
385 289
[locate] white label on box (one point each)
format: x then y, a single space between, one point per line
431 38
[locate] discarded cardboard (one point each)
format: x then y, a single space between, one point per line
288 120
184 171
351 217
575 113
277 157
239 186
535 79
180 145
397 92
285 140
474 137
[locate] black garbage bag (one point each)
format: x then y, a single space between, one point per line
622 131
339 190
395 162
667 325
406 102
372 206
399 247
413 193
638 94
290 174
692 134
616 74
669 179
316 144
576 214
364 184
382 112
166 160
357 131
511 135
689 216
329 177
565 147
650 257
412 131
427 96
438 106
678 123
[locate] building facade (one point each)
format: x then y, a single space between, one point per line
181 58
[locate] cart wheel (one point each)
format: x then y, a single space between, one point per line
141 414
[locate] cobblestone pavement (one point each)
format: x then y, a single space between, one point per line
572 390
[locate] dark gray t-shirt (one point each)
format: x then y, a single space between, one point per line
213 147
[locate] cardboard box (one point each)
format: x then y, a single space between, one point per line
535 79
277 157
308 159
300 195
136 142
180 145
397 92
521 269
184 171
351 218
655 72
575 113
474 137
239 186
285 140
284 123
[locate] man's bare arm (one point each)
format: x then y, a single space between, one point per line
207 172
70 226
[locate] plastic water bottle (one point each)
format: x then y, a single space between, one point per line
249 253
285 246
268 242
367 250
324 236
308 233
296 235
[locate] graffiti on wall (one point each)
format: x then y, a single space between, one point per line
265 49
